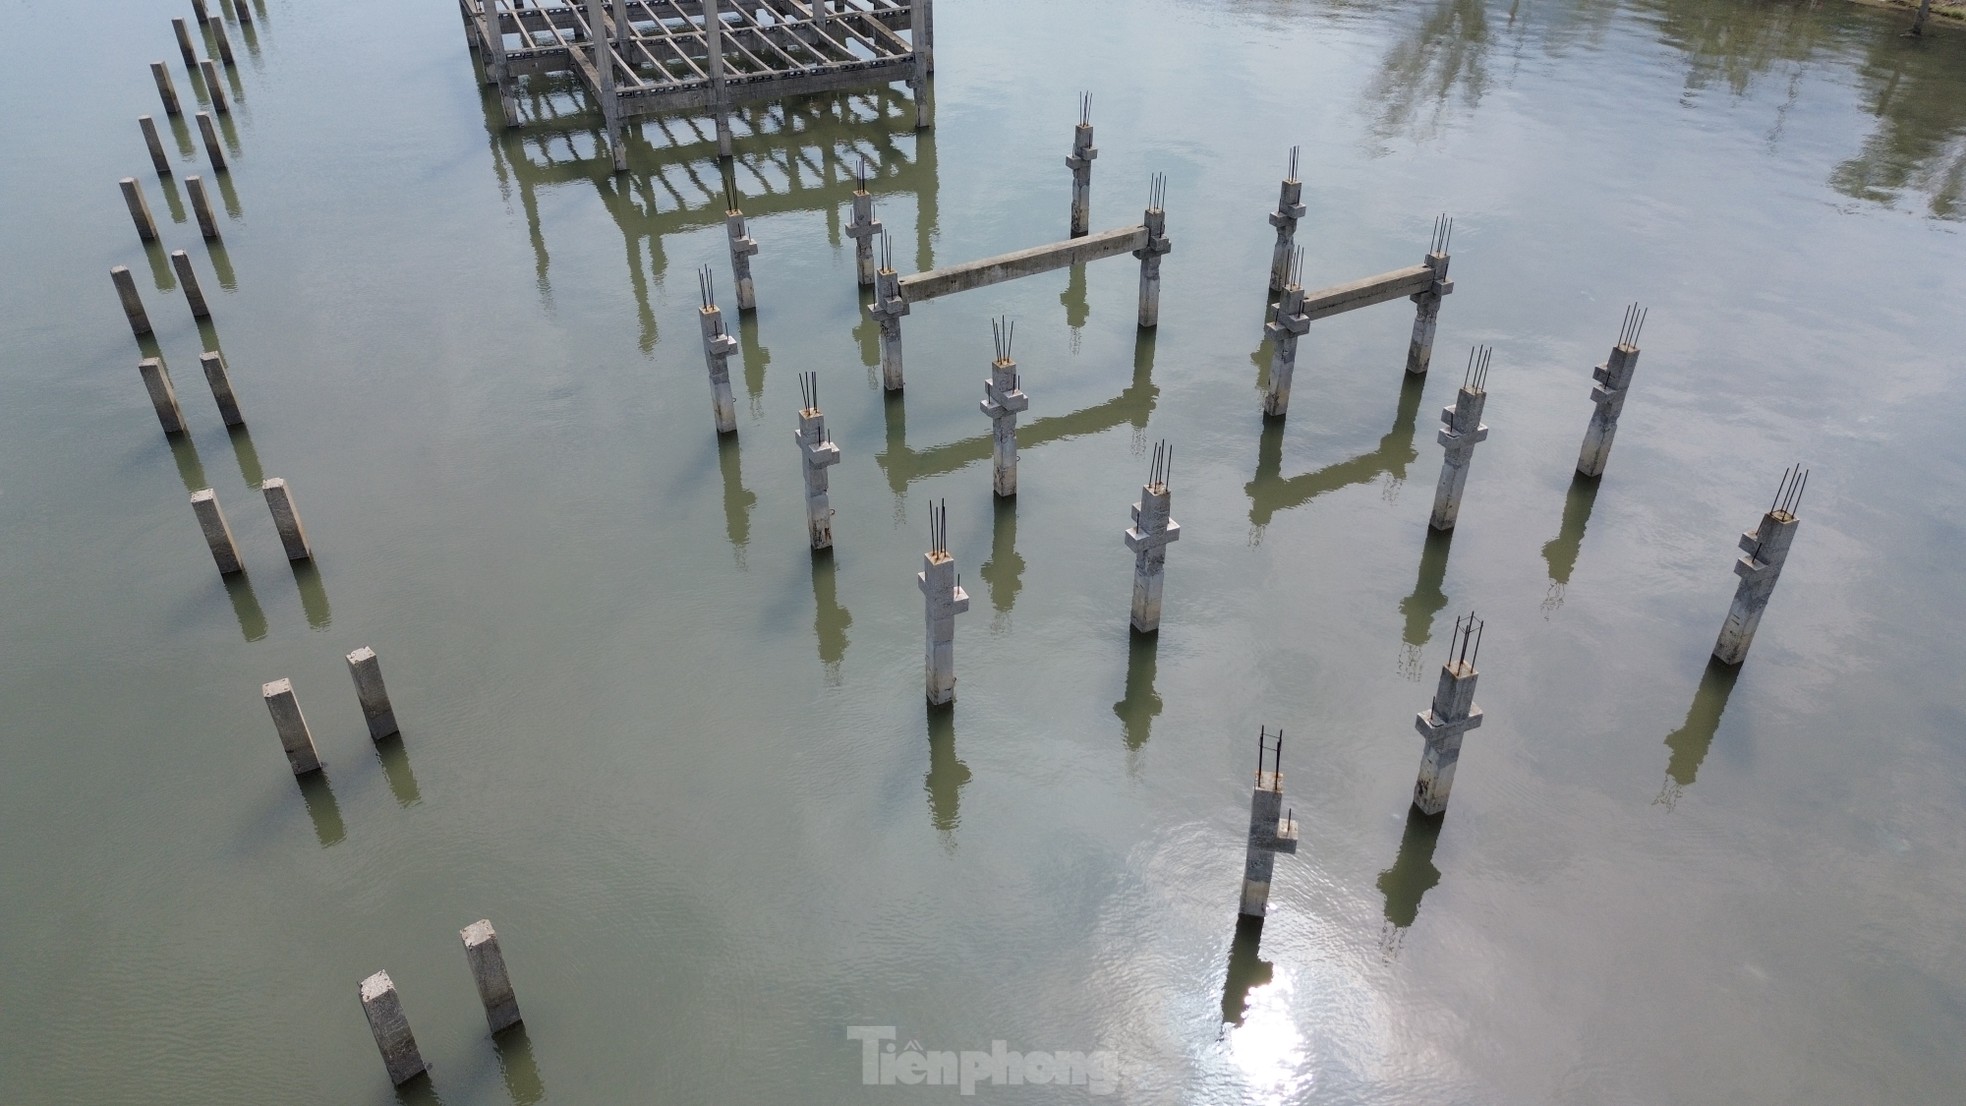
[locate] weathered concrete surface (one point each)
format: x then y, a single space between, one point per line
392 1030
366 671
1765 549
1452 714
488 971
163 397
1038 259
139 209
817 453
1153 528
155 144
717 348
889 305
1290 208
214 149
166 91
742 246
863 229
1289 325
1003 398
943 600
1462 432
213 363
218 535
126 293
201 206
1384 288
1270 833
214 87
1426 315
1154 245
1079 161
187 277
291 726
1613 383
286 519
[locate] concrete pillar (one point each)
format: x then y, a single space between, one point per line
713 31
1614 379
224 43
887 309
1290 208
155 144
817 453
292 727
166 91
392 1030
163 397
242 9
201 206
184 44
717 348
218 535
139 209
488 971
1003 398
213 363
1420 352
1155 220
742 246
1452 714
602 57
1153 528
286 519
1918 20
918 44
1764 549
943 598
126 291
1079 161
198 9
496 67
214 87
366 671
863 229
186 276
214 149
1289 325
1271 831
1463 430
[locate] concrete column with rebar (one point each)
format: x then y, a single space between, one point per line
1152 530
742 246
1461 432
1003 399
1157 245
1272 830
1290 208
817 453
1764 550
887 309
1451 715
1079 161
943 598
1283 331
718 345
1420 351
863 228
1614 379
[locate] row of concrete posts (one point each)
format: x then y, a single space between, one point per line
391 1027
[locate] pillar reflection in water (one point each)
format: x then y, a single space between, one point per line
1248 971
738 499
517 1065
1409 879
1141 705
1561 551
1004 571
830 620
322 809
1687 746
395 759
1427 601
946 774
1270 491
313 594
245 606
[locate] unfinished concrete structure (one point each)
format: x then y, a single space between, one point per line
214 149
1079 161
943 598
201 206
166 91
126 293
188 278
1283 331
894 294
184 45
214 87
1003 398
218 535
213 362
139 209
817 453
286 519
1614 379
742 247
155 144
1290 208
291 726
366 671
1452 714
1272 830
863 228
1153 528
391 1029
643 57
488 971
1765 548
1461 432
718 345
163 397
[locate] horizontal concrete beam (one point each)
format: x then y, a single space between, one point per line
1384 288
1010 266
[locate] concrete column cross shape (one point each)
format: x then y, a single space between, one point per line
1290 208
1461 431
943 598
1613 379
817 453
1420 351
718 345
1452 714
1003 398
1152 530
1272 830
1283 331
1764 550
1080 163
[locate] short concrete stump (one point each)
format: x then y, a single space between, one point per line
392 1030
488 970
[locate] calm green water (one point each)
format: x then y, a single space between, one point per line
686 769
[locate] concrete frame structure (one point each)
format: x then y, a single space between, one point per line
488 972
1152 530
1451 715
943 598
1614 379
817 453
1003 398
643 57
391 1029
1765 549
1272 830
1463 430
1079 161
1290 208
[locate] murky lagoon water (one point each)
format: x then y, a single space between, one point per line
685 768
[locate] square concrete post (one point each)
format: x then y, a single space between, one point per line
488 971
497 69
863 228
139 209
742 246
198 9
918 47
1290 208
1271 830
943 598
1155 222
286 519
1079 161
1152 530
224 43
221 384
817 453
242 9
292 727
218 535
214 149
1765 549
391 1029
184 44
1420 351
163 397
155 144
186 276
366 671
1452 714
201 206
601 54
717 348
126 292
1003 398
166 91
214 87
887 309
1613 379
713 35
1463 430
1290 324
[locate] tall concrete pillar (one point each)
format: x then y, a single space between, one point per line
188 278
139 209
214 149
218 535
366 671
224 43
943 598
163 397
1286 260
166 91
717 348
864 228
1271 830
201 206
887 309
1452 714
497 68
1765 549
391 1029
1153 528
918 14
214 87
1463 430
713 33
1614 379
155 144
242 9
1155 221
184 44
198 9
1283 331
488 971
817 453
286 519
601 55
1420 352
742 246
213 363
1003 398
1079 161
126 292
291 726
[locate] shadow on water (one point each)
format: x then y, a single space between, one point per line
321 808
181 130
946 774
1270 491
1077 309
419 1091
162 276
1410 878
395 759
313 594
1426 602
189 468
247 456
1248 971
1141 706
245 606
1560 552
738 499
830 620
172 200
222 265
756 357
228 196
1687 746
1004 571
516 1063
